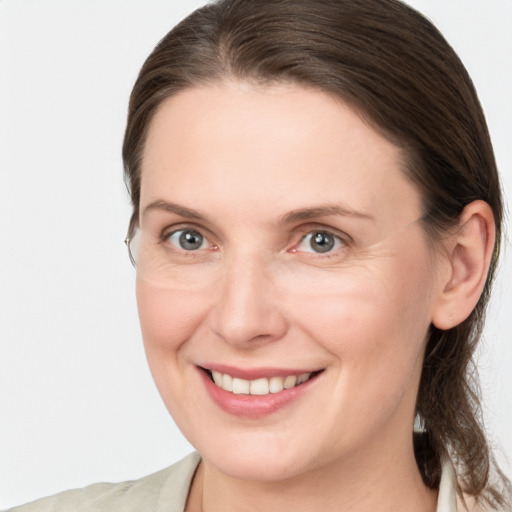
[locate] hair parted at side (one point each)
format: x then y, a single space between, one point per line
395 68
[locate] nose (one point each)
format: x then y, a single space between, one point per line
247 312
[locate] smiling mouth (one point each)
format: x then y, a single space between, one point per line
259 387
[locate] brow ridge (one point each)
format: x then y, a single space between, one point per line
322 211
178 209
297 215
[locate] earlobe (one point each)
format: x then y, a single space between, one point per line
469 252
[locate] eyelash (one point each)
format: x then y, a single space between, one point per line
340 241
319 235
167 235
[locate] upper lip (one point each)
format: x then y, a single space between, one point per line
257 373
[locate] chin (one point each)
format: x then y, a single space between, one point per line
258 457
263 468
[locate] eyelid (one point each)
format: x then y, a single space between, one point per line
184 226
169 231
343 238
317 227
304 231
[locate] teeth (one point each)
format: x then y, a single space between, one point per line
290 382
259 387
276 384
303 378
227 382
240 386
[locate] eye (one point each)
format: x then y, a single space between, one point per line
187 240
320 242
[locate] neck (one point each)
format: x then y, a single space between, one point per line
356 484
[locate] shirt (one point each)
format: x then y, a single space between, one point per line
167 491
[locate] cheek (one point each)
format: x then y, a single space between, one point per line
364 309
167 317
376 330
373 314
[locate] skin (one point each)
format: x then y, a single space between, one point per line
256 295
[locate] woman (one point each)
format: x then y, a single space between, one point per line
316 223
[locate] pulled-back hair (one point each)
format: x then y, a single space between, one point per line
392 66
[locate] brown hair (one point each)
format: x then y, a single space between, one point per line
394 67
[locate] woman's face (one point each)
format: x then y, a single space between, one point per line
278 240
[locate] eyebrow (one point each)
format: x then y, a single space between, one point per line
298 215
182 211
327 210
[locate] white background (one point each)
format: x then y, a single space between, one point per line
77 403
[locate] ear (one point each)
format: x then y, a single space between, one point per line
469 252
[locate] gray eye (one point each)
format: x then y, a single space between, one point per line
187 239
322 241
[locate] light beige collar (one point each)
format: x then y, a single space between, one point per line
447 500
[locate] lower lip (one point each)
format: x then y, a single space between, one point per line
254 406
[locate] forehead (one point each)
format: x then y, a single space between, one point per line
262 144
